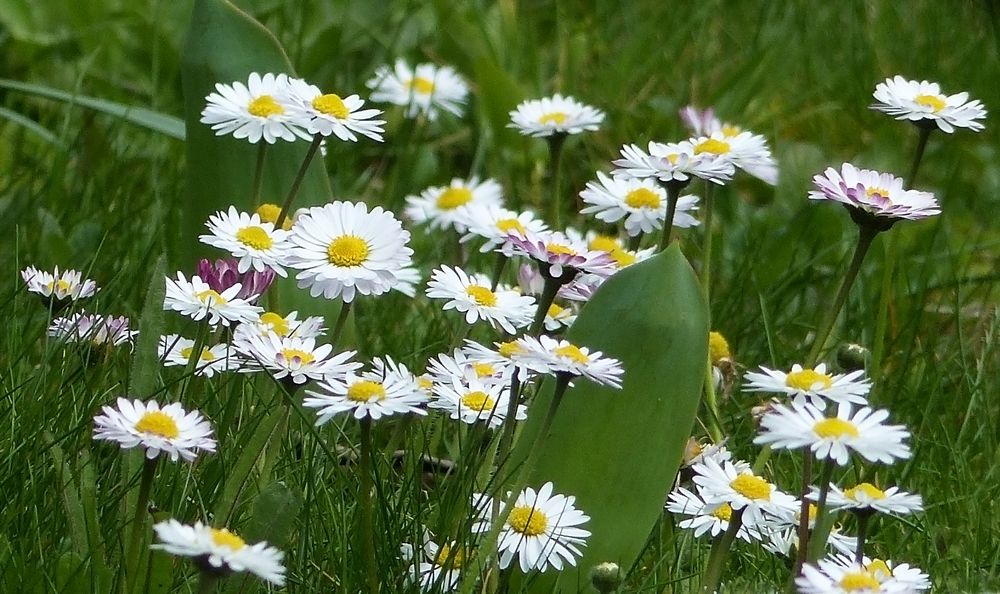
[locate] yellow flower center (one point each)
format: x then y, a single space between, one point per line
425 383
527 520
509 349
642 198
420 85
724 512
718 347
211 297
555 310
935 102
508 225
813 510
225 538
206 353
158 423
752 487
265 106
729 130
62 286
347 250
331 105
572 352
557 118
302 356
269 213
274 321
448 558
857 581
869 490
622 257
482 295
673 157
713 146
834 428
878 567
366 391
483 369
452 198
877 193
807 379
478 401
604 243
559 249
255 237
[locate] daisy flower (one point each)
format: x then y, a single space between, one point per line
256 110
436 568
220 550
741 489
274 323
558 317
423 90
782 531
841 575
258 245
548 355
745 150
673 163
555 115
471 400
68 285
542 530
696 453
702 122
471 295
861 431
298 359
502 358
93 328
447 207
866 497
909 578
388 390
494 223
461 364
170 430
343 250
197 300
873 198
641 202
705 518
224 273
558 256
330 114
269 213
814 386
924 104
175 350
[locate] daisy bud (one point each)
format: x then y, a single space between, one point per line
606 577
852 357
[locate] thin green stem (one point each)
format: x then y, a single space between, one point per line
301 175
866 236
821 531
498 267
863 519
556 142
258 172
800 556
918 155
367 511
673 193
338 328
706 258
207 582
138 532
712 404
720 551
544 302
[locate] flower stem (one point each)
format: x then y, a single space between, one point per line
556 142
287 205
821 531
918 155
544 302
720 551
706 257
673 192
367 513
863 519
138 532
258 172
800 553
712 404
338 328
498 267
866 236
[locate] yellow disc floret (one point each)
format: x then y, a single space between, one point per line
158 423
269 213
713 146
366 391
868 490
452 198
265 106
834 428
301 356
857 581
752 487
450 558
347 250
808 379
604 243
718 347
573 353
211 297
420 85
508 225
225 538
556 118
935 102
255 237
482 295
642 198
206 353
484 369
276 322
478 401
509 349
527 520
724 512
331 105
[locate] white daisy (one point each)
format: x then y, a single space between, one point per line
863 431
472 400
273 322
258 109
705 518
548 355
641 202
298 359
343 250
170 429
494 223
866 497
423 90
93 328
741 489
447 207
220 549
908 578
673 163
782 531
923 103
696 453
621 257
443 368
554 115
258 245
558 317
471 295
390 389
558 256
175 350
502 358
812 385
407 279
841 575
745 150
59 286
872 197
197 300
436 568
328 113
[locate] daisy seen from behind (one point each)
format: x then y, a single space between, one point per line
472 296
219 550
329 114
169 429
924 104
423 90
253 111
447 207
67 285
198 301
388 389
555 115
810 385
256 244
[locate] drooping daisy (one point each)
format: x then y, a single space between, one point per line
390 389
924 104
641 202
866 497
330 114
495 223
256 110
472 295
472 400
423 90
170 429
258 245
706 518
220 550
222 274
343 250
745 150
435 568
554 115
862 431
175 350
548 355
873 198
558 256
289 325
814 385
65 286
298 359
542 530
673 163
446 207
741 489
908 578
93 328
841 575
197 300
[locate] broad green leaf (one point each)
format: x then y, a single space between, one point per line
146 363
71 574
618 451
274 512
147 118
